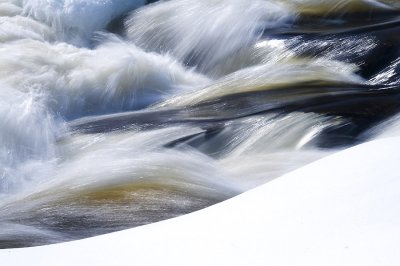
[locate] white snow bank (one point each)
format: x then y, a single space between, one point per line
341 210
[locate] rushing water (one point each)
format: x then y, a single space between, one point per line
119 113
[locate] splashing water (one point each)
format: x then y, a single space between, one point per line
115 114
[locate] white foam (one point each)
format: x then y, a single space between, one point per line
44 82
9 9
78 81
27 137
203 32
20 27
76 20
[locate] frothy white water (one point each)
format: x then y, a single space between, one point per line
8 9
44 84
76 20
78 81
208 32
19 27
27 137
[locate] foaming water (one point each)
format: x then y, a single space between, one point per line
78 81
209 31
27 137
76 20
115 114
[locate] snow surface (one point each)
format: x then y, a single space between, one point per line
341 210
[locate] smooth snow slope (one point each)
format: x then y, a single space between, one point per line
341 210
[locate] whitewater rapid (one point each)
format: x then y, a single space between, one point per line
115 114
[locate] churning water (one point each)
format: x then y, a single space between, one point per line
119 113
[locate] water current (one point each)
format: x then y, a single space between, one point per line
120 113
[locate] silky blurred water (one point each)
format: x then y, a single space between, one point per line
116 114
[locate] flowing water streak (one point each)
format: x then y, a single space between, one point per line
198 40
216 97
